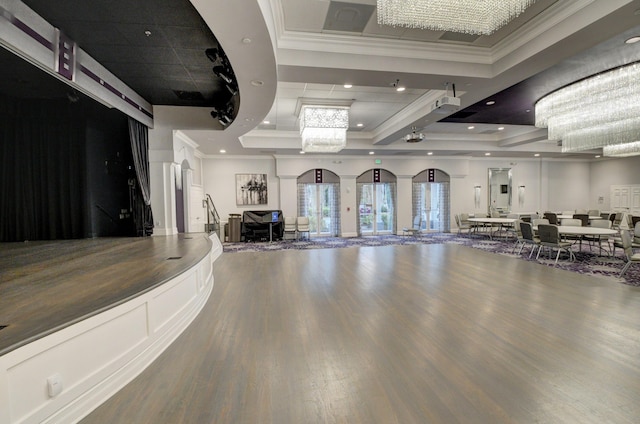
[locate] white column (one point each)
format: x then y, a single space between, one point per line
163 197
404 206
348 206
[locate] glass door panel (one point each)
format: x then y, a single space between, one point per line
320 208
433 214
325 194
383 209
365 209
312 207
376 209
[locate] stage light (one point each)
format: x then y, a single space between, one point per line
232 88
221 72
213 54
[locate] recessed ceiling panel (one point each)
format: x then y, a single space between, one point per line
348 17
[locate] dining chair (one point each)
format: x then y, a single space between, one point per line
480 225
550 237
598 223
568 212
628 252
512 228
581 212
552 217
582 217
634 235
617 220
290 227
572 222
302 225
417 226
593 212
536 222
528 238
462 226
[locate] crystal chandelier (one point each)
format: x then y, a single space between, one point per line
622 150
482 17
598 111
324 128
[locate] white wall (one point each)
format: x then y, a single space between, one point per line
219 180
605 173
548 184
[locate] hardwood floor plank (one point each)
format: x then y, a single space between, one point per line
48 285
404 334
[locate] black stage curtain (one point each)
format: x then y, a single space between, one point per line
42 168
142 215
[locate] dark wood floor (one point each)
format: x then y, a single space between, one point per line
404 334
45 286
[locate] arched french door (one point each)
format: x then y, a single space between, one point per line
319 199
376 198
430 200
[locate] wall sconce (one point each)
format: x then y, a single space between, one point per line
476 197
521 195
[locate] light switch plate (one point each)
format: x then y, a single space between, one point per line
54 385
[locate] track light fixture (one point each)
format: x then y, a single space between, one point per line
213 54
221 72
224 115
224 119
222 69
232 88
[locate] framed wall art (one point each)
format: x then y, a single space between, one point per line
251 189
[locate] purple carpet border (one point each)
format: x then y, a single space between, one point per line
586 262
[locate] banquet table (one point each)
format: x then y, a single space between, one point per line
571 230
591 217
500 222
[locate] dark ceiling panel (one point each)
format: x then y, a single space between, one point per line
171 57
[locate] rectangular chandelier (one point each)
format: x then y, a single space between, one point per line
324 128
481 17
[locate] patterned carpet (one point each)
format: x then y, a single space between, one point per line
589 263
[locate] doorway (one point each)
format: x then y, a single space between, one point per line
319 200
376 198
431 201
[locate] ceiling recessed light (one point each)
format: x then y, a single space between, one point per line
348 85
597 156
632 40
528 110
490 102
400 88
257 83
537 155
223 151
372 153
359 124
266 122
500 128
470 127
246 40
147 33
429 153
302 152
487 154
